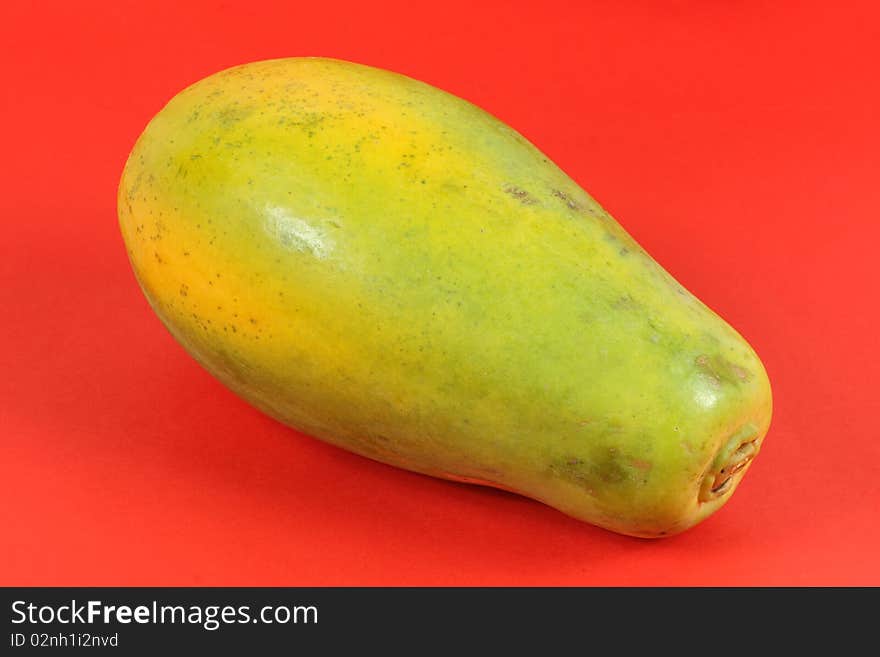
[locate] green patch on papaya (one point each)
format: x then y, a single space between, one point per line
605 467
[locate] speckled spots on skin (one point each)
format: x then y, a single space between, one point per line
159 231
519 194
231 114
627 302
131 191
565 198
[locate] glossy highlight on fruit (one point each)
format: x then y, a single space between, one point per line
389 268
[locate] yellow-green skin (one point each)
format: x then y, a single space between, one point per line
389 268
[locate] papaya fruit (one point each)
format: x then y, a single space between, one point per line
385 266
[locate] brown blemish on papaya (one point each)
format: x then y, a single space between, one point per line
520 194
720 370
741 373
565 198
184 289
609 468
705 366
641 464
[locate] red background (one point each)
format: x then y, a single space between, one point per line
739 142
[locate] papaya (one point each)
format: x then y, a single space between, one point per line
387 267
